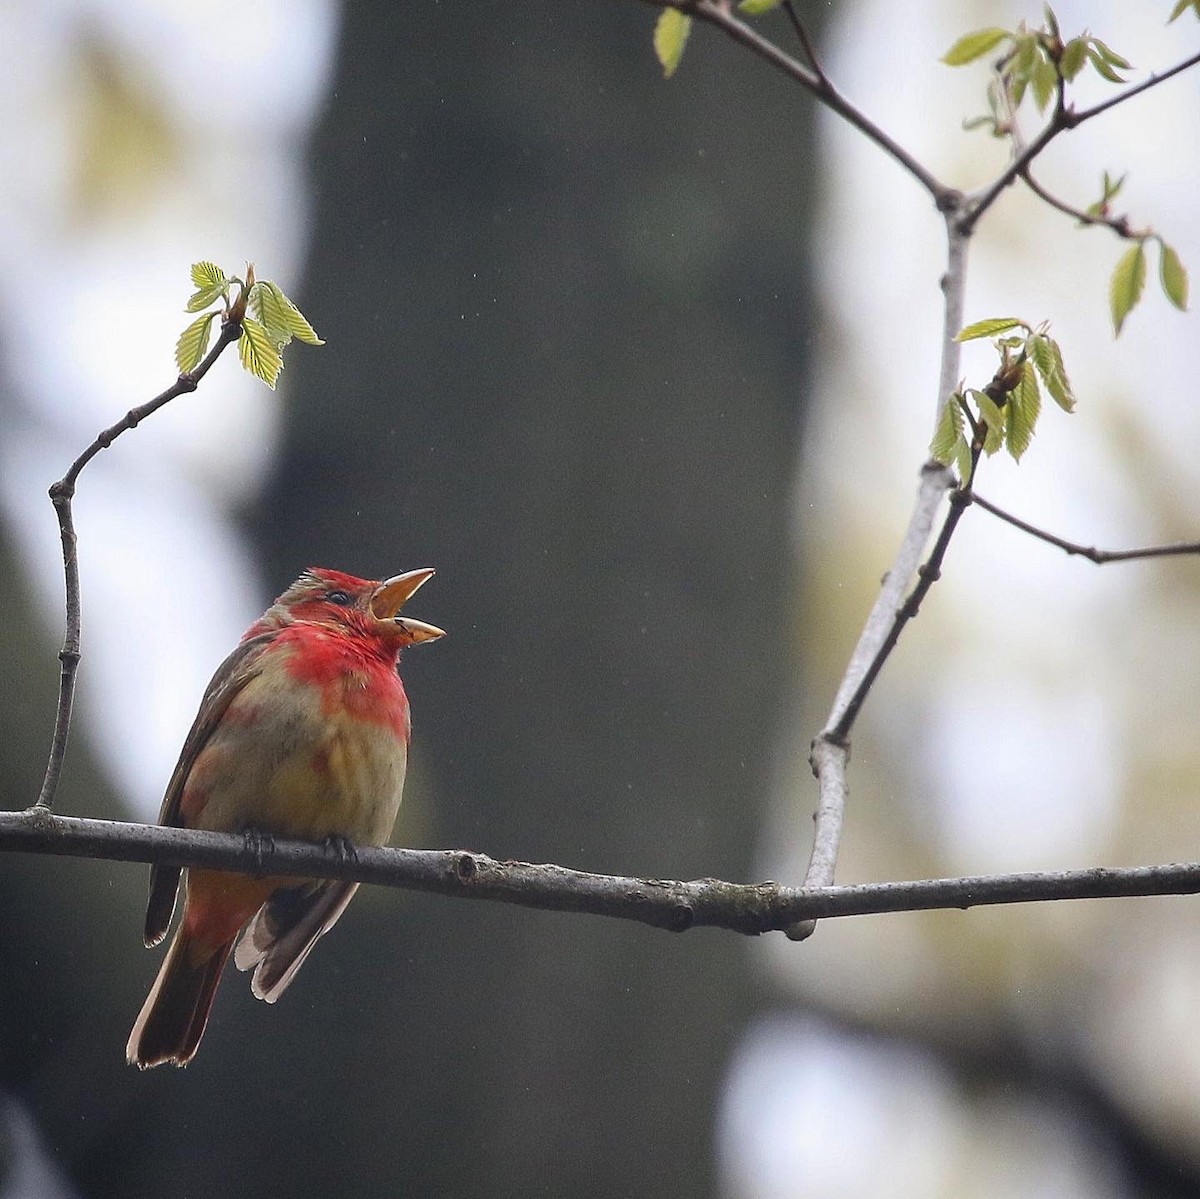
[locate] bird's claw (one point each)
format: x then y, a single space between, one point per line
341 847
258 845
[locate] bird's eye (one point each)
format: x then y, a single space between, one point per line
341 598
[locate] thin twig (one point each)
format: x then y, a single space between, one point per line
1074 119
749 908
1063 118
815 81
806 42
928 574
1100 557
61 495
1118 224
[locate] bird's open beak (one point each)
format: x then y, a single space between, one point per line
392 594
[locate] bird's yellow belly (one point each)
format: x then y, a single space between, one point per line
298 771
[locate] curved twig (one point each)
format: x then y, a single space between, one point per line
61 495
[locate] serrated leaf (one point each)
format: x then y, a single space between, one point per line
1102 67
1125 287
291 318
258 352
1047 357
1074 56
1045 81
670 37
948 432
1024 407
755 8
206 275
988 328
975 45
205 297
1173 276
267 310
193 343
994 419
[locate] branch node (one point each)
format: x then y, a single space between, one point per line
683 916
465 867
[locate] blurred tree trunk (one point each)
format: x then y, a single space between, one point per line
565 310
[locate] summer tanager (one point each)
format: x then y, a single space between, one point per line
303 732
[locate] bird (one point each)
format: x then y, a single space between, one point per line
303 732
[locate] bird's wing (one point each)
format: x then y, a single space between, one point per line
231 676
284 931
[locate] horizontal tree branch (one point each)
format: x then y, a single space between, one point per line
749 908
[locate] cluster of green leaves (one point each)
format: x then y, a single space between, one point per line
1039 62
1034 61
275 321
1006 413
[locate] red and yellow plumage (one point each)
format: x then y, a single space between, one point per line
303 732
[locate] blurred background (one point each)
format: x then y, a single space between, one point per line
646 371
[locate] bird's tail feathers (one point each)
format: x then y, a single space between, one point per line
284 931
175 1013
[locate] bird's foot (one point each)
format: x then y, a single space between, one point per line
341 847
259 846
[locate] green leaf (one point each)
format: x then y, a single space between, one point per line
994 419
670 37
1045 80
1102 67
989 328
1173 275
1047 357
1125 288
755 8
1074 56
975 45
205 297
207 274
965 461
1111 56
1024 407
948 433
1051 20
193 343
1182 6
259 354
1024 59
1113 186
288 316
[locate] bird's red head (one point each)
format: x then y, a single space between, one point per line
342 601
